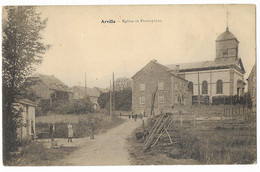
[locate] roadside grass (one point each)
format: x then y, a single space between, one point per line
208 142
34 153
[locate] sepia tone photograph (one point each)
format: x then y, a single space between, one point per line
129 85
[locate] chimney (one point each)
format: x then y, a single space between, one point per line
177 68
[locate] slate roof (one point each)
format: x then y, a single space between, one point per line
164 67
52 82
206 65
92 92
227 35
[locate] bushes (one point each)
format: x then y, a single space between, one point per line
227 100
82 106
203 99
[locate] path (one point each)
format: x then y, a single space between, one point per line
108 148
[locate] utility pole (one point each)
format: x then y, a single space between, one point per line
85 87
114 96
110 100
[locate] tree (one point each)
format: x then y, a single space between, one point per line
123 100
22 49
123 83
103 99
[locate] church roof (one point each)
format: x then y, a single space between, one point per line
206 65
227 35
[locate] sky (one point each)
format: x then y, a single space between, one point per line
81 43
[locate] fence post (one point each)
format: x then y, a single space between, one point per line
194 119
181 117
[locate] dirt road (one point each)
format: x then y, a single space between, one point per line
109 148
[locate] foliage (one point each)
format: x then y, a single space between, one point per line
103 99
203 99
123 100
123 83
22 48
81 106
226 100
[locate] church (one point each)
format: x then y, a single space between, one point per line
223 76
187 83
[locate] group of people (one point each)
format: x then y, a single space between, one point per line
133 116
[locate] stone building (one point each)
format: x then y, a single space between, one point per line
171 89
93 94
252 87
50 88
27 126
223 76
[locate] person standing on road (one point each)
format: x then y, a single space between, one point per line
70 132
92 130
52 130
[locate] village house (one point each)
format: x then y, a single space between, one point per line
252 87
27 125
222 77
50 88
93 94
171 89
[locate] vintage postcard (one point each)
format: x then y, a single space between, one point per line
129 85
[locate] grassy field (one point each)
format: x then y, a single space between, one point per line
208 141
81 124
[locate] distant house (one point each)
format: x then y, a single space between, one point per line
50 88
102 90
252 87
93 94
171 89
27 126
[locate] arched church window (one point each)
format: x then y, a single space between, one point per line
204 87
190 87
219 87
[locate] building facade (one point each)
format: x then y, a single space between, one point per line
222 77
155 80
27 126
252 87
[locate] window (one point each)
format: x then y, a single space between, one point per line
141 100
142 87
161 86
219 87
204 87
176 86
176 99
160 98
225 52
190 87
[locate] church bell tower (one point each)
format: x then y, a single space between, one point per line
226 46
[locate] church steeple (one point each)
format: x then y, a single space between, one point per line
226 45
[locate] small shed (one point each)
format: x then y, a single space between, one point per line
27 125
